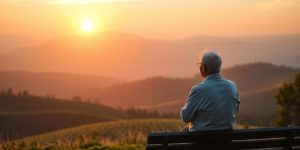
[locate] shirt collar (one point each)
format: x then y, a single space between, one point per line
213 77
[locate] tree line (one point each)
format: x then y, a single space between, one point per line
133 112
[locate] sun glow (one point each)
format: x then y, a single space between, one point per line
87 26
86 1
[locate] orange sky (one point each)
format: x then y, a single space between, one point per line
164 19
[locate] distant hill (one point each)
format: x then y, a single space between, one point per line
133 57
257 84
257 76
58 84
24 115
11 42
149 91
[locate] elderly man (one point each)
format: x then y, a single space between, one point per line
213 103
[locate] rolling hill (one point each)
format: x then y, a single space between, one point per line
62 85
11 42
132 57
257 84
24 115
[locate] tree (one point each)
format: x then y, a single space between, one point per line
288 99
77 98
25 93
10 91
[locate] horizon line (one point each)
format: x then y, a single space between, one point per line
151 37
146 77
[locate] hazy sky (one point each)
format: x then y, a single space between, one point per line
167 19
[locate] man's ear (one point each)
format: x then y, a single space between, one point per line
204 69
201 69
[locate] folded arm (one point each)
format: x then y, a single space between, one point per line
189 110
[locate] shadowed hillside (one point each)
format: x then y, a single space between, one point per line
149 91
258 76
23 114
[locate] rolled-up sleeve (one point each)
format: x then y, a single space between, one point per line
189 110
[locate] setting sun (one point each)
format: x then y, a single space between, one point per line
125 74
87 25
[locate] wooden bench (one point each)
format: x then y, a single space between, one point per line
263 138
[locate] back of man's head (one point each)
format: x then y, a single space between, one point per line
212 61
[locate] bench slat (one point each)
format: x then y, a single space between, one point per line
188 146
296 142
240 139
252 144
175 137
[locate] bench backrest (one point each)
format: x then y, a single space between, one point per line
282 138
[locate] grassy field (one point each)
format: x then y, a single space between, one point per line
113 135
122 134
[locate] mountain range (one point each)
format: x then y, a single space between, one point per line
257 84
133 57
120 69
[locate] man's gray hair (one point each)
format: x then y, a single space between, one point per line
212 61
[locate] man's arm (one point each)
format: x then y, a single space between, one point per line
188 111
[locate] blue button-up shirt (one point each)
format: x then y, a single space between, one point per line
211 104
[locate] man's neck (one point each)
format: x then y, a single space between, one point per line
212 75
